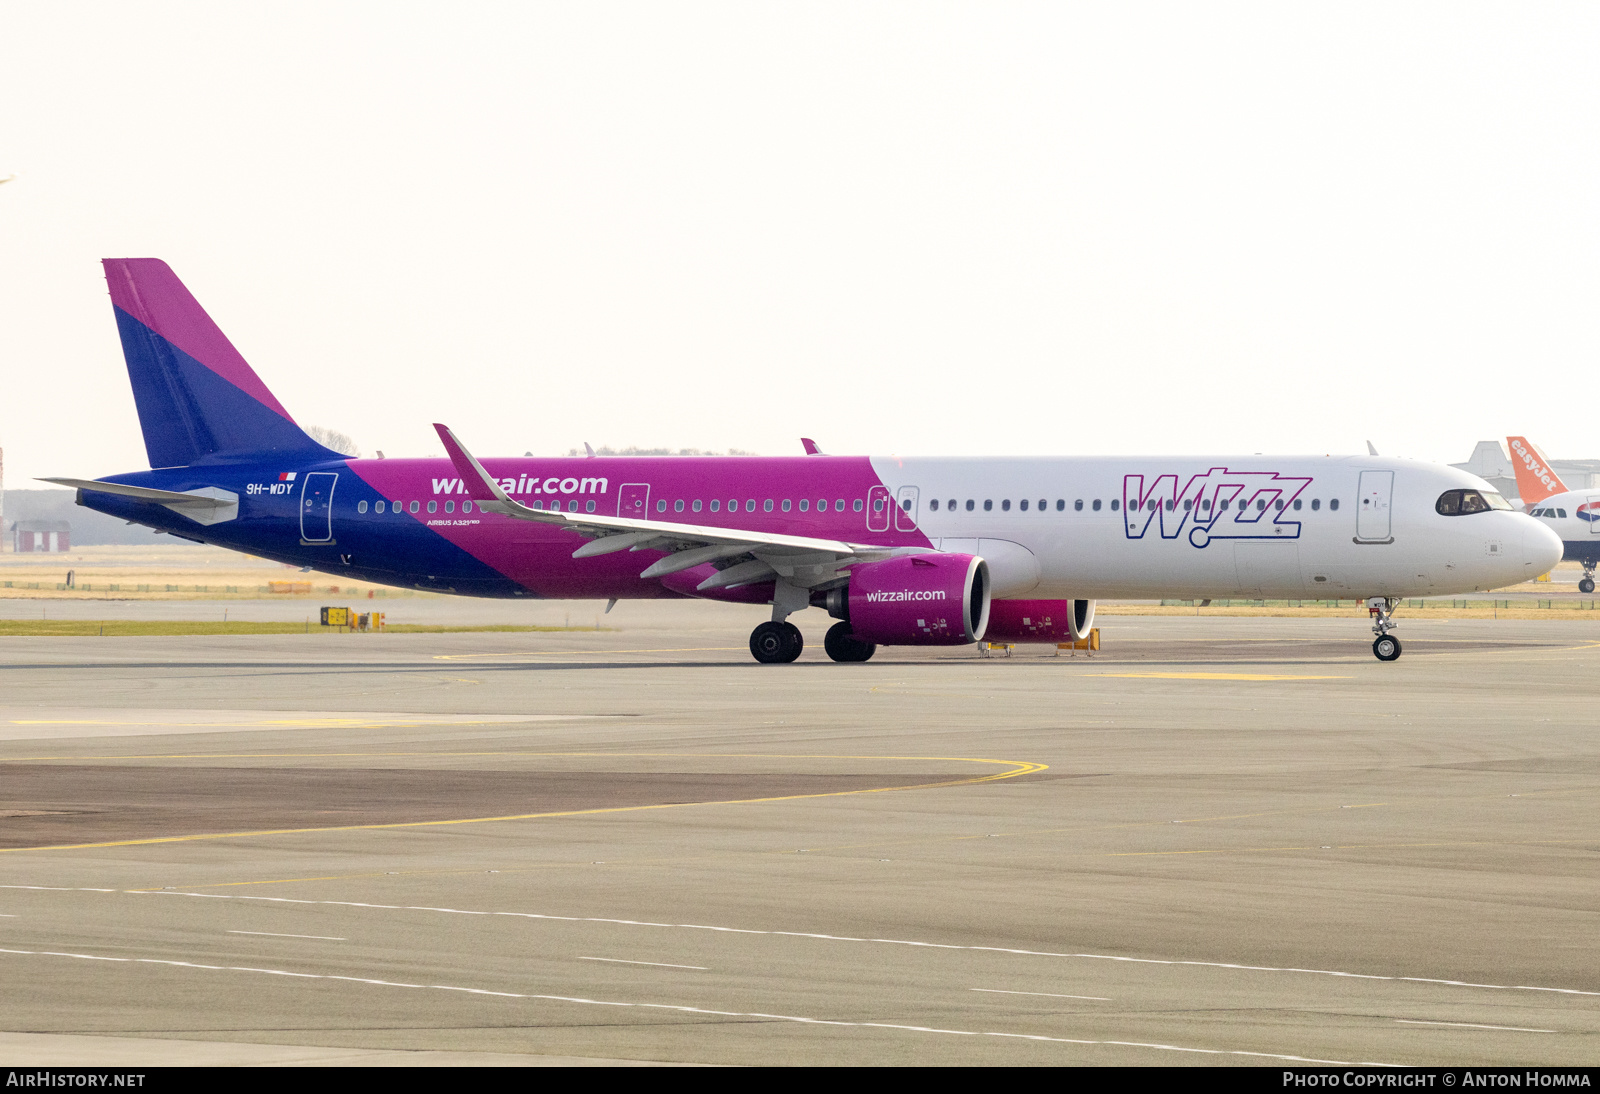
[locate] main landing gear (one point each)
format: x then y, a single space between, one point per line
1586 585
776 643
842 644
1386 647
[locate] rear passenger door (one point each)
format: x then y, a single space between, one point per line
316 507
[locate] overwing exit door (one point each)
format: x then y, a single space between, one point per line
905 515
633 500
878 503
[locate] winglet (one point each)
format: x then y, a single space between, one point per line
1535 480
479 483
811 447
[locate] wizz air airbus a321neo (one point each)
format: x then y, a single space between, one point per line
914 552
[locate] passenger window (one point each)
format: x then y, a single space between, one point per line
1077 506
1169 504
1297 504
661 506
466 506
433 507
1187 504
1023 505
1278 505
988 505
1005 505
1316 503
805 505
696 505
750 505
787 505
538 505
449 506
677 506
969 505
877 505
1261 504
588 507
733 505
1333 503
766 506
951 504
1206 505
838 505
858 506
906 505
1096 505
397 506
1114 504
1042 505
933 505
716 505
361 506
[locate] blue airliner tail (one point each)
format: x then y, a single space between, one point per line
198 399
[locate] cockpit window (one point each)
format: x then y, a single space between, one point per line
1457 503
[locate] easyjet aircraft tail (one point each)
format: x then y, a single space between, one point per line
197 397
1535 480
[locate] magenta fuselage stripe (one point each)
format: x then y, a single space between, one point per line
148 291
538 556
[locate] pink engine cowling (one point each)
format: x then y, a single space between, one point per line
930 599
1039 620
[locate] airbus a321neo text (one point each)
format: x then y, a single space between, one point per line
912 552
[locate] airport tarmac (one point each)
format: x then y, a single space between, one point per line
1221 841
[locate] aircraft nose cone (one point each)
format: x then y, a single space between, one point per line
1541 548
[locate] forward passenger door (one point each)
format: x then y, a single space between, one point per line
1373 507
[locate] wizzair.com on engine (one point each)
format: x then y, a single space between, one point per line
930 551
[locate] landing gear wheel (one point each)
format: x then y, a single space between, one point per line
1586 585
1386 647
776 643
842 644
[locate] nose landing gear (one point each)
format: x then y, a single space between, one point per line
1386 647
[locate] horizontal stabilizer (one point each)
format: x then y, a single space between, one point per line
208 505
144 493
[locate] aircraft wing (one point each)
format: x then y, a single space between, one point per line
802 561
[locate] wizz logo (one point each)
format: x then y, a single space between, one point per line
1219 504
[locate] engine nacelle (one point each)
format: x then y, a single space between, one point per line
932 599
1040 620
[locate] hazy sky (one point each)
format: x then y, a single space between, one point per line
911 228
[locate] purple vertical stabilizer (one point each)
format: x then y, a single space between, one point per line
197 397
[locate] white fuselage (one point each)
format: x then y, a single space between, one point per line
1575 517
1196 527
